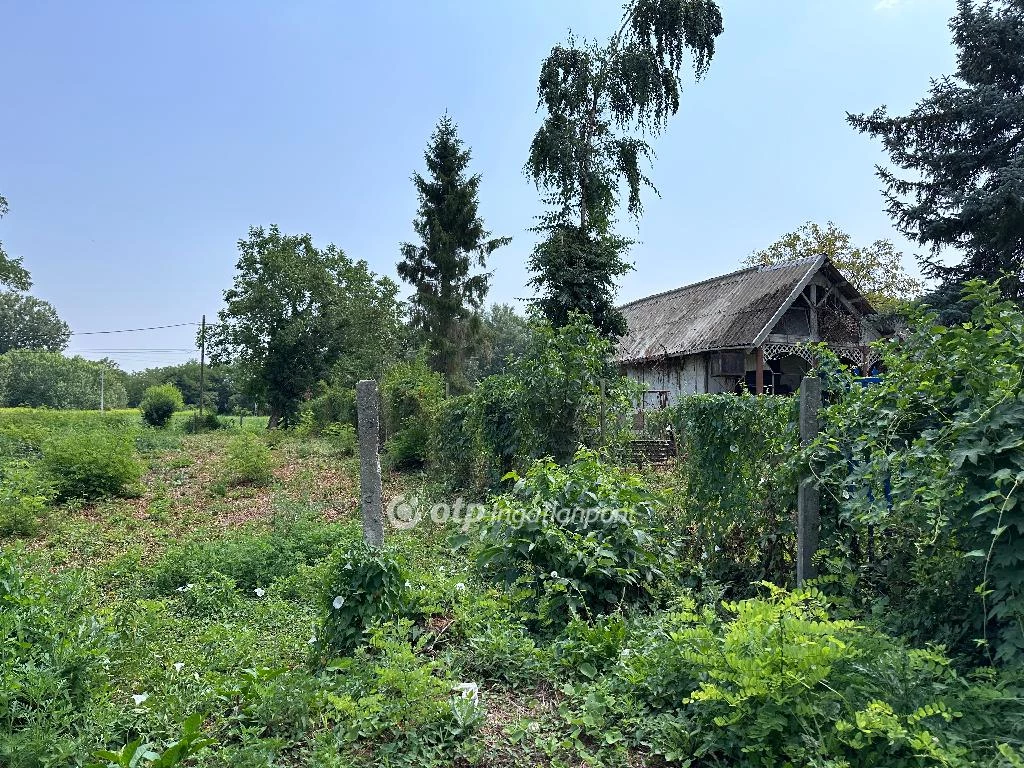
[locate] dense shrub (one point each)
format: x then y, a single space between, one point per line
250 559
53 666
410 394
778 681
363 584
928 465
24 496
454 448
160 403
92 464
335 405
737 494
248 461
342 438
574 536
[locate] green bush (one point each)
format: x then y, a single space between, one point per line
929 464
334 406
573 535
363 584
92 464
53 666
342 438
251 559
160 403
24 497
410 394
248 461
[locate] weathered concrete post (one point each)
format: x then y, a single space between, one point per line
368 411
808 515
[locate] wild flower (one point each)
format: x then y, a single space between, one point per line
460 587
338 602
178 666
260 592
139 698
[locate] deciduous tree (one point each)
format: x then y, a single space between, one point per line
295 311
601 101
12 273
876 270
962 147
30 323
448 294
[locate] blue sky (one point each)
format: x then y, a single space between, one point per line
141 140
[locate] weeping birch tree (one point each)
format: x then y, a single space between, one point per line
602 102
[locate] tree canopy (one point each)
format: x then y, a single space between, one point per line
295 312
12 273
30 323
453 240
962 147
601 101
876 270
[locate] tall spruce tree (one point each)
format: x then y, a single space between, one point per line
601 101
448 292
963 146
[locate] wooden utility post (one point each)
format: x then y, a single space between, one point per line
759 371
368 414
202 365
808 515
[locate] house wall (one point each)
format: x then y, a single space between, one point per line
678 376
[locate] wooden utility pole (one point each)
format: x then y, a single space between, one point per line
202 365
808 515
759 371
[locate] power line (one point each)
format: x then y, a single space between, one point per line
136 330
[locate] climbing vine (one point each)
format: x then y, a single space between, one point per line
932 458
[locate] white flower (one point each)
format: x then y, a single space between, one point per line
408 585
178 666
422 587
338 602
312 640
625 652
460 587
469 691
260 592
139 698
554 574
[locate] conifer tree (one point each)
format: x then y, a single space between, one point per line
445 267
963 149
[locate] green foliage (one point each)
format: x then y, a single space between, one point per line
248 461
410 393
738 492
932 458
572 535
160 403
50 380
24 497
333 406
600 104
447 297
132 754
12 273
53 664
549 404
876 270
296 312
250 560
91 464
363 585
30 323
505 335
961 147
222 385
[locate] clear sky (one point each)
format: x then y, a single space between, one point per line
139 141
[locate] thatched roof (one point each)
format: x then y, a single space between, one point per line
734 311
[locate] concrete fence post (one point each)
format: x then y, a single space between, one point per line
368 412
